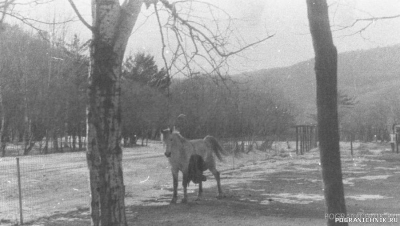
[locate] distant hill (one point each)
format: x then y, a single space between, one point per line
364 74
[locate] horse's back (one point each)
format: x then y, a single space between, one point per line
202 148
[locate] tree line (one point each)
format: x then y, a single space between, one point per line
225 109
371 118
43 98
43 86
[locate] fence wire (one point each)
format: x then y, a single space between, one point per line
50 184
59 182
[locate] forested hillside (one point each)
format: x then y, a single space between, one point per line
372 77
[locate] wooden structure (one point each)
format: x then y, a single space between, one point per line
395 138
306 138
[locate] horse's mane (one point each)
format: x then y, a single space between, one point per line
180 137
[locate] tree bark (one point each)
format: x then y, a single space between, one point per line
112 26
73 144
328 127
46 143
55 142
28 136
79 137
2 129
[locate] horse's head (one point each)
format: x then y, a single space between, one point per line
167 140
173 141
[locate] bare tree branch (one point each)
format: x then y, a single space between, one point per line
31 2
162 40
369 21
197 42
4 5
7 9
130 10
189 25
71 2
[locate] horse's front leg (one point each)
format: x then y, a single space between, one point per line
184 185
175 184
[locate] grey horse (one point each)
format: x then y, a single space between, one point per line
179 152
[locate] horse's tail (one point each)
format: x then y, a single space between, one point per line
218 150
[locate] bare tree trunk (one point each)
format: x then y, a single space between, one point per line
73 139
25 137
104 155
46 143
3 113
28 137
112 26
66 145
328 126
55 142
79 137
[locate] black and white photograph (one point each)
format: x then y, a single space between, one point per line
199 112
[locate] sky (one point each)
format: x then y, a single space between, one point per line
256 19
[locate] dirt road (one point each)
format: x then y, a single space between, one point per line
275 188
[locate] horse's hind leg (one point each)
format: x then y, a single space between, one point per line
184 185
200 191
175 183
215 172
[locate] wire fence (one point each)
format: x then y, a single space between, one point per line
47 185
59 182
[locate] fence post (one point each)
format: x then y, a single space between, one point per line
233 158
351 144
19 193
297 140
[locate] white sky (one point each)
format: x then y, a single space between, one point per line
287 19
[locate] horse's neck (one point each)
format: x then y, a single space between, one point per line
179 135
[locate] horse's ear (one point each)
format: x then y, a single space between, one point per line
166 131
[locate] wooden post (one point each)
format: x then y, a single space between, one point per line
19 193
233 160
351 144
297 140
233 155
307 135
308 138
304 139
313 137
300 140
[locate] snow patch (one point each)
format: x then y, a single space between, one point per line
292 198
349 180
367 197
